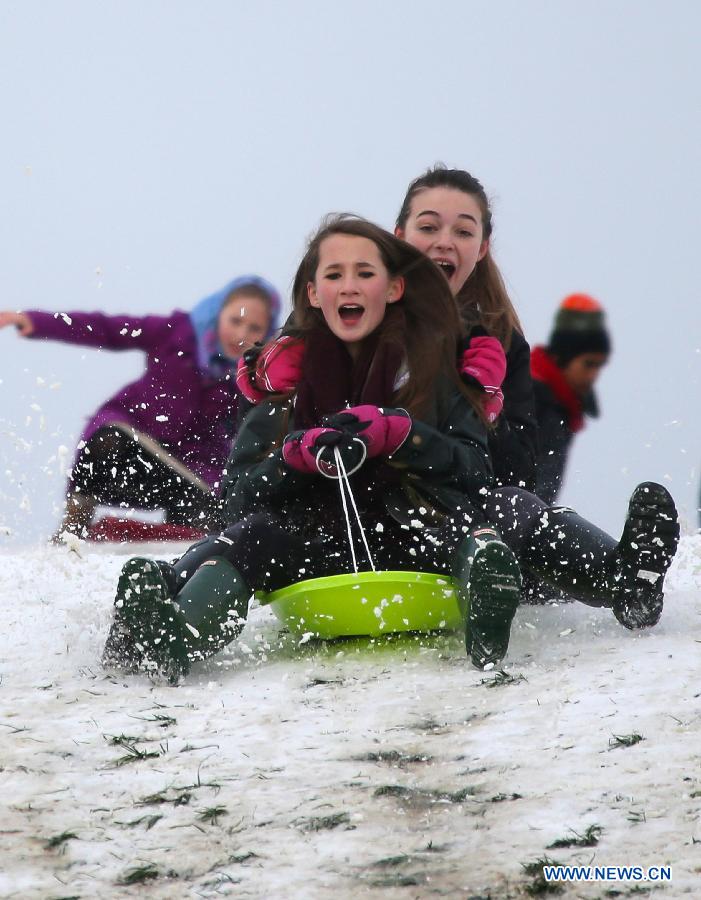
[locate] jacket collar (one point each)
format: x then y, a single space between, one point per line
545 369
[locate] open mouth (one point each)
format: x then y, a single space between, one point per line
447 268
351 313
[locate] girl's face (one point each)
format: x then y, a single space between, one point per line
242 321
352 287
446 225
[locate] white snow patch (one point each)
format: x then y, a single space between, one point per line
298 742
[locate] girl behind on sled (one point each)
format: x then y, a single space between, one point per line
446 214
161 441
376 326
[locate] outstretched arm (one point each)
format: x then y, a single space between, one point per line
96 329
20 320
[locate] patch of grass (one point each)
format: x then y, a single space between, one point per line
119 740
139 874
625 740
149 821
188 748
420 797
222 878
181 798
13 728
212 814
501 679
133 754
391 861
428 724
538 886
58 840
393 757
324 823
435 848
399 881
240 858
590 838
636 816
161 720
500 798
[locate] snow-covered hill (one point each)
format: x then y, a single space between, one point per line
347 769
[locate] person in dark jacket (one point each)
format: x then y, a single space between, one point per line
564 374
161 441
377 394
446 213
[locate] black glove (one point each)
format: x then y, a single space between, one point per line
353 451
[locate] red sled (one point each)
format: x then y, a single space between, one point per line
112 528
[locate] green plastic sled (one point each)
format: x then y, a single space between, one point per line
369 603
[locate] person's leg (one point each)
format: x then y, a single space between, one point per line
185 497
574 555
485 571
121 467
166 616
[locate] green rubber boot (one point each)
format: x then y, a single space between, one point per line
144 627
156 633
213 606
491 580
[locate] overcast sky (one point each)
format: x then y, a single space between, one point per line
153 150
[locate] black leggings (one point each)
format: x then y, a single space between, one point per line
551 542
555 544
270 556
120 467
515 514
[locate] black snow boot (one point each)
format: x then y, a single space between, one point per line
157 630
491 580
643 555
589 565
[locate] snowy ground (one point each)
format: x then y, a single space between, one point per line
342 770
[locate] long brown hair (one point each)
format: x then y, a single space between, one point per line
483 299
425 322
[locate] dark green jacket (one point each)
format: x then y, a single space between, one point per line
442 466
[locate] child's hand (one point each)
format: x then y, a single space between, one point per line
312 451
273 369
21 321
384 430
483 361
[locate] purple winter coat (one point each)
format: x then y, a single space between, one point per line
175 402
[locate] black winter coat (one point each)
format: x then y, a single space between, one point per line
555 438
513 444
439 471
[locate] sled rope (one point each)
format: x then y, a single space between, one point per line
344 481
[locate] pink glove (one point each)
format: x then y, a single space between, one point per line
313 451
245 378
384 430
484 362
276 369
493 405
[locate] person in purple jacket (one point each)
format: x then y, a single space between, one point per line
161 442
